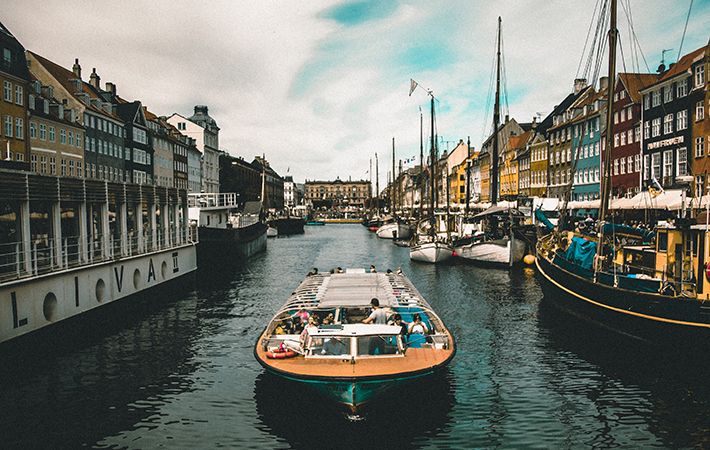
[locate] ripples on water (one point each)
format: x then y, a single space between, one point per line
179 372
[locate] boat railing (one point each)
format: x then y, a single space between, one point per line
43 255
204 200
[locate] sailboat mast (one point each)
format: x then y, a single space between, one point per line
496 122
393 194
431 166
421 162
377 183
606 178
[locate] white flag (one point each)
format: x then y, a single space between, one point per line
412 87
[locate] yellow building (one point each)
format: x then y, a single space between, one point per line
337 193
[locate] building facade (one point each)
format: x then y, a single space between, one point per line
338 193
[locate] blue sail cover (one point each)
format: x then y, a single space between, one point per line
581 252
540 215
613 228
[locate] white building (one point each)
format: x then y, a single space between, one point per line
201 127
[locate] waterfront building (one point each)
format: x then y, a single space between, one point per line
291 194
626 151
139 155
457 162
15 80
171 149
700 122
523 159
559 136
203 128
337 193
538 166
668 106
194 167
241 177
505 130
588 125
104 132
55 135
273 185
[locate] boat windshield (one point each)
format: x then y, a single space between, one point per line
329 346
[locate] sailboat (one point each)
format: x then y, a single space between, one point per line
652 288
498 244
427 245
392 226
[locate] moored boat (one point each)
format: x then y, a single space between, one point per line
348 360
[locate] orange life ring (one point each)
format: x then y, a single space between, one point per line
280 354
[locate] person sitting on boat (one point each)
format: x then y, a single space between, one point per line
329 319
296 325
417 326
372 269
303 315
333 346
397 321
399 271
338 270
282 328
378 315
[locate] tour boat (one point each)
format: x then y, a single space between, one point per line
348 360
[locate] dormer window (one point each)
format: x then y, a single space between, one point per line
31 101
46 106
38 87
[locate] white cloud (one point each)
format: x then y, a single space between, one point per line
321 97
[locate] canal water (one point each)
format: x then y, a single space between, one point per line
179 373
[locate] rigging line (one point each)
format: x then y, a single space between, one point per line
596 45
687 19
586 42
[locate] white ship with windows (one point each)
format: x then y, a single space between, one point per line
70 245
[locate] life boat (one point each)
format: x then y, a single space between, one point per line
281 353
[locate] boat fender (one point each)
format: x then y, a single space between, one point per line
282 352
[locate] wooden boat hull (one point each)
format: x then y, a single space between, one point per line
431 252
393 230
496 252
354 392
649 316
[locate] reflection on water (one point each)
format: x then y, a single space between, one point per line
179 372
401 420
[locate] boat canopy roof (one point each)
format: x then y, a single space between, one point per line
353 330
355 290
498 210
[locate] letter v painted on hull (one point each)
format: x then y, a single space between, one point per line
119 278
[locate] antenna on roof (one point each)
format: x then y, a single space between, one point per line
662 67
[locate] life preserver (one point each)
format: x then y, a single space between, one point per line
280 354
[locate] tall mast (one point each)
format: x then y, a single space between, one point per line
377 183
431 166
393 194
421 162
606 173
496 122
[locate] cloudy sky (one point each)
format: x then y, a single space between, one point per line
320 87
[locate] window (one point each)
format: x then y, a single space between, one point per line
668 124
78 168
63 136
637 132
43 164
682 169
623 138
616 118
8 91
8 126
699 75
622 115
700 110
682 88
19 95
64 167
646 102
78 140
630 134
646 130
646 167
656 165
71 138
33 162
622 166
33 132
43 132
52 165
637 163
668 163
682 120
629 112
667 94
52 137
19 128
71 167
630 163
656 127
616 167
656 98
616 140
699 146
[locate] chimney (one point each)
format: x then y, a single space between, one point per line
579 84
507 118
603 83
94 79
110 87
76 68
